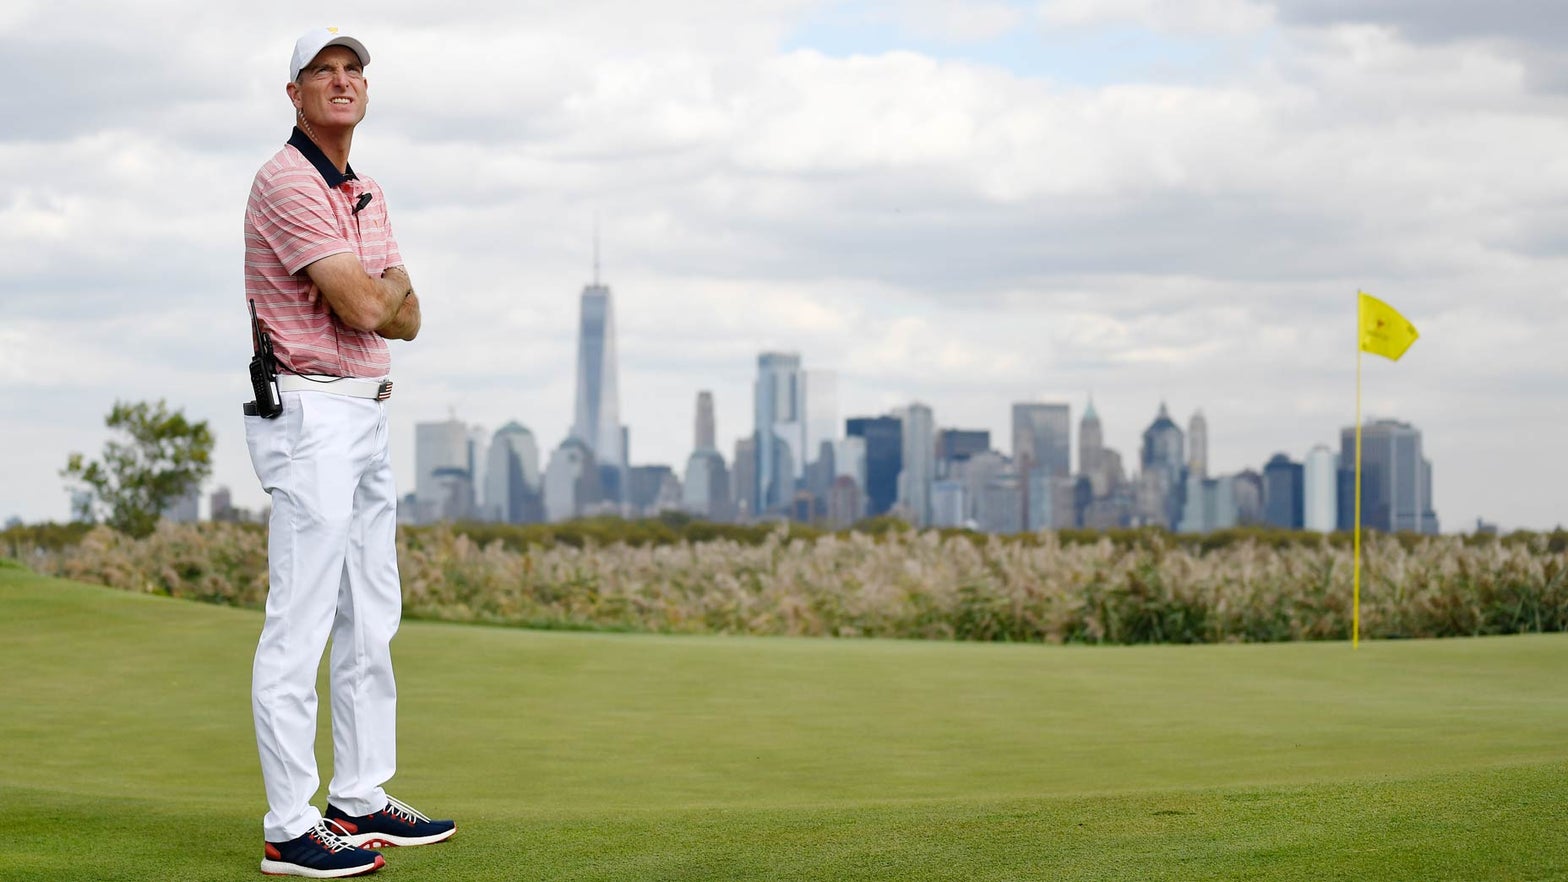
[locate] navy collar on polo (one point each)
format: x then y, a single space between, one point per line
329 172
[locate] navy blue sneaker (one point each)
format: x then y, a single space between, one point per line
397 824
324 852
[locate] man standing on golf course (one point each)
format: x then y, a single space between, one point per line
326 280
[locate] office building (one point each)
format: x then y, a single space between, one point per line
1042 452
220 506
454 495
1396 479
919 462
884 458
1091 444
1042 438
571 482
1198 445
957 445
440 447
846 504
704 428
779 397
949 505
743 481
597 415
651 489
821 409
1284 493
1000 506
705 490
1160 489
512 480
849 460
1320 500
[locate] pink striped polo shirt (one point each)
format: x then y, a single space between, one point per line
301 209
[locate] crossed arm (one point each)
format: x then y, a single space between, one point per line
385 305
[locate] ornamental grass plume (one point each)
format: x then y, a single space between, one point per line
1143 587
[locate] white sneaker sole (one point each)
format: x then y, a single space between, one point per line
385 840
283 868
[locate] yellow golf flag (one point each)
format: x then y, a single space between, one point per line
1383 330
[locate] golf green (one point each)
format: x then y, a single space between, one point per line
126 752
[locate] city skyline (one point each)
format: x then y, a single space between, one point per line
904 464
1023 202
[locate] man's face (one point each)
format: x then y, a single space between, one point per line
331 90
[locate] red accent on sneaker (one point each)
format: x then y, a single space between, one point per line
346 824
272 852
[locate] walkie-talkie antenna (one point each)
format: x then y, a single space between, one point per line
255 329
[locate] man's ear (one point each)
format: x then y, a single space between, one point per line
293 90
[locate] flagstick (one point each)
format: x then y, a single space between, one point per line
1355 605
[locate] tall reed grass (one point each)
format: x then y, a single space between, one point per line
1138 588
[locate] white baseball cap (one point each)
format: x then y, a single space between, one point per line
314 41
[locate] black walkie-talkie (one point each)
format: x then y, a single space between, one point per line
263 373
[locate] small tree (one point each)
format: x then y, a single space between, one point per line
166 457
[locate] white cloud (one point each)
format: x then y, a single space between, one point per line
952 231
1226 17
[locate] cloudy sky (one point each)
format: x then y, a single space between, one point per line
961 203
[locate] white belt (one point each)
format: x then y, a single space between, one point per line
354 387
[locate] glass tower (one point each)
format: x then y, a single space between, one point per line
780 400
597 418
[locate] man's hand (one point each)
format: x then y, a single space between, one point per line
359 300
405 325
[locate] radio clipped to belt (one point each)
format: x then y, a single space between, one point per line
263 373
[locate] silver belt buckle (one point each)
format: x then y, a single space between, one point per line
384 391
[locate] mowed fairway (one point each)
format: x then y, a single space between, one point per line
126 753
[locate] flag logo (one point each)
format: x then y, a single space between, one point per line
1383 330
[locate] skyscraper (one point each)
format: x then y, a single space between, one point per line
1396 479
512 481
1320 507
780 408
1042 438
884 458
706 488
1160 485
1042 450
1163 444
703 437
956 445
651 489
1284 494
919 462
571 481
821 410
705 492
743 481
1091 442
1103 497
1198 445
441 447
597 417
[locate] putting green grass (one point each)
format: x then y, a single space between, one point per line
126 753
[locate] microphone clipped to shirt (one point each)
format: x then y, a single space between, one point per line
364 200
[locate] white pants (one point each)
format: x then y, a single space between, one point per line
332 566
